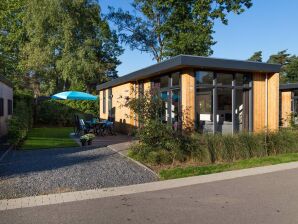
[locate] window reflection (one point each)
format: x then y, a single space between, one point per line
176 79
203 77
224 79
204 110
175 110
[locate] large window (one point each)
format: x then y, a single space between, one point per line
222 102
204 110
204 78
168 86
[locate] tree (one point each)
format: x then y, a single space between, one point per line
12 36
282 57
257 56
292 70
165 28
69 45
289 69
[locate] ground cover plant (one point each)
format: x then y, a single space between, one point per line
40 138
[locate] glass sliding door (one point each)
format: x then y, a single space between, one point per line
242 110
224 111
223 102
176 109
204 110
165 108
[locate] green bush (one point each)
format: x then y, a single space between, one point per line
21 121
61 113
160 146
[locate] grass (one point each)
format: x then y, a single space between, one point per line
216 168
42 138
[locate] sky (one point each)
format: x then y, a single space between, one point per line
269 26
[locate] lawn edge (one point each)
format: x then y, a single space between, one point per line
227 170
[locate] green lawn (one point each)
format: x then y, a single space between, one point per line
41 138
216 168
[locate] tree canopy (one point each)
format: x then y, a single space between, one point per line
166 28
289 70
257 56
60 44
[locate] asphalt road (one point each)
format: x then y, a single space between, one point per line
268 198
33 172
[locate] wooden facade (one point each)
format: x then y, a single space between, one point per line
188 92
262 102
286 98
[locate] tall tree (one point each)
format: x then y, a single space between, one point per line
289 69
292 70
166 28
69 45
12 36
282 57
257 56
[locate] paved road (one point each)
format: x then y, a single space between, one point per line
268 198
34 172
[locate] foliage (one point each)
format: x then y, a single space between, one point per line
286 60
257 56
43 138
168 28
291 70
87 137
61 113
56 45
147 107
12 36
208 148
289 63
21 121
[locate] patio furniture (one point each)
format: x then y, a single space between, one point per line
105 127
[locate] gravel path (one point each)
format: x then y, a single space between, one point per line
35 172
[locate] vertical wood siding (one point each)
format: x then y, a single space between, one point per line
188 98
285 107
259 102
273 102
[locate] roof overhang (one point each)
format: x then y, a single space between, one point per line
288 87
184 61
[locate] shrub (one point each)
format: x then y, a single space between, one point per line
209 148
61 113
21 121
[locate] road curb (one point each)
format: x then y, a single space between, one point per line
135 161
59 198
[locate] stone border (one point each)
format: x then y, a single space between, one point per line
27 202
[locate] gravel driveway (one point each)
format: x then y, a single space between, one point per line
34 172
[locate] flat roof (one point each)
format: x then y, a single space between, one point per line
289 86
5 81
183 61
